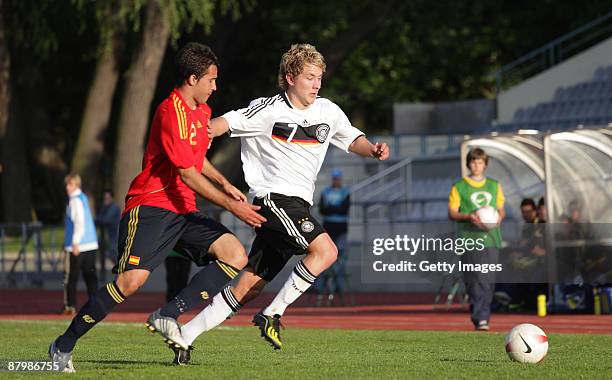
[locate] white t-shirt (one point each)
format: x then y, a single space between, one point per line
283 148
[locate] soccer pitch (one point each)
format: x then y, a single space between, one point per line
128 351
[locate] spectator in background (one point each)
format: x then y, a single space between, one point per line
575 227
177 274
108 220
542 212
80 244
529 211
578 231
334 206
528 260
532 243
467 196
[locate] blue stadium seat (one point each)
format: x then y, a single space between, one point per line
519 115
525 115
590 90
608 108
574 92
600 109
600 90
607 89
560 94
582 103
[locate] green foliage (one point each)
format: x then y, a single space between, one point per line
419 51
114 17
185 15
233 7
425 51
29 26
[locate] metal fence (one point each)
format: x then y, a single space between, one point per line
554 52
30 254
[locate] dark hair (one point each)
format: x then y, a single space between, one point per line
475 154
194 59
541 202
108 191
528 202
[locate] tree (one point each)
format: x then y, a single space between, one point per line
44 97
5 75
141 79
96 116
98 107
5 99
15 205
52 60
163 19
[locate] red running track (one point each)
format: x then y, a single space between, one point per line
376 312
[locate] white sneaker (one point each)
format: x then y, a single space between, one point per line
482 325
63 359
167 327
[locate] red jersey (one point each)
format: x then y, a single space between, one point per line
178 139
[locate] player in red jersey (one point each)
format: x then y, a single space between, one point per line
161 214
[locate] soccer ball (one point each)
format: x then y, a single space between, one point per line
526 343
488 216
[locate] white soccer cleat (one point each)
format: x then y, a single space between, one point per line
63 359
167 327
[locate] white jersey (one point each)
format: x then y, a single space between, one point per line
283 148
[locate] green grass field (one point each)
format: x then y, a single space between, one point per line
128 351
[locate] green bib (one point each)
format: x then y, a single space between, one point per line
473 198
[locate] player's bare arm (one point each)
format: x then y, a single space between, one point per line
454 214
210 172
217 127
363 147
502 213
500 207
201 185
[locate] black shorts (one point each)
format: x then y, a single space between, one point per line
147 234
288 231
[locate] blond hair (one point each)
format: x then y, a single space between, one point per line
73 178
293 62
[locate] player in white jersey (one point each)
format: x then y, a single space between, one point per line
283 146
284 141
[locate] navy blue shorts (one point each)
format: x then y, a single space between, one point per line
147 234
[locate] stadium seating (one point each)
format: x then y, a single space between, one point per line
583 103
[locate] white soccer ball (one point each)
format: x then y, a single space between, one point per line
526 343
488 216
